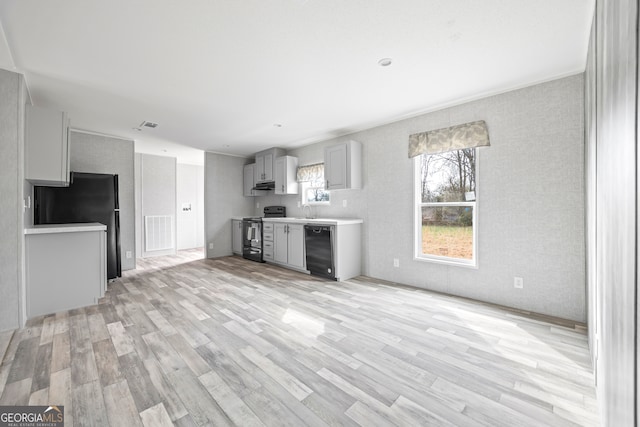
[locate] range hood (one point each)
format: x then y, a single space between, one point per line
265 185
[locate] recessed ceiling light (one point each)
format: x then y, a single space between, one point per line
385 62
277 125
164 150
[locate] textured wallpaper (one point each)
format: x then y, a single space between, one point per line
530 200
102 154
11 116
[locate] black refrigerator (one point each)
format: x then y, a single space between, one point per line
90 197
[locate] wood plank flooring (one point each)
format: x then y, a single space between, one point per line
232 342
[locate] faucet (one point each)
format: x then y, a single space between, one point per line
304 211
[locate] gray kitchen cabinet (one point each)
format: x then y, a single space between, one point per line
288 244
343 166
295 246
249 181
267 241
280 244
285 175
46 147
236 236
265 164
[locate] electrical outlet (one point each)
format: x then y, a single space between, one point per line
344 203
396 262
257 207
299 203
129 254
210 245
518 283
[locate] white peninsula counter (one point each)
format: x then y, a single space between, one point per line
66 266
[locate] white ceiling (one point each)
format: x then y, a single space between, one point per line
218 74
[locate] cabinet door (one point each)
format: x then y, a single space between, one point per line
295 247
236 233
268 167
249 180
46 147
259 169
280 178
335 167
280 244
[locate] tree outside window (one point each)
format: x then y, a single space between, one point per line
446 206
311 178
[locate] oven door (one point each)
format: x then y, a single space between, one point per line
252 239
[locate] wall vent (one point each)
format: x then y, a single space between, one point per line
147 124
158 232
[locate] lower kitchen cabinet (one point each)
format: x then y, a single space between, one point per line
284 244
267 241
236 236
288 244
66 267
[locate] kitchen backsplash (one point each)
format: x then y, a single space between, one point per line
356 205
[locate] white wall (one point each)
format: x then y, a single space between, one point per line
95 153
224 199
155 195
12 102
612 163
190 191
530 200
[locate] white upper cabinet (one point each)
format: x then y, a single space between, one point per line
265 164
285 175
47 147
343 166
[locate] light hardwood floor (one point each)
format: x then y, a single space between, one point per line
232 342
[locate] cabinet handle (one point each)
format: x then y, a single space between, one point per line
327 184
283 188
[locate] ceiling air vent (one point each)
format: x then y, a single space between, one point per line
147 124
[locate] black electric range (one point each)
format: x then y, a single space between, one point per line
252 232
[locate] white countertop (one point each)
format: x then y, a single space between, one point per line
65 228
327 221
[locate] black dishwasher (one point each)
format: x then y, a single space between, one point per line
319 248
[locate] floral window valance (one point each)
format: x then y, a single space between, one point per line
311 173
467 135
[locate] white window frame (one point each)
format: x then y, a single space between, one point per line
417 232
304 186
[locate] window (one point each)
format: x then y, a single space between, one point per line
312 189
446 207
314 193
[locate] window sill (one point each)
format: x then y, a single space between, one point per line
447 261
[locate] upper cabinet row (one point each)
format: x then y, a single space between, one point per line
47 147
342 170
